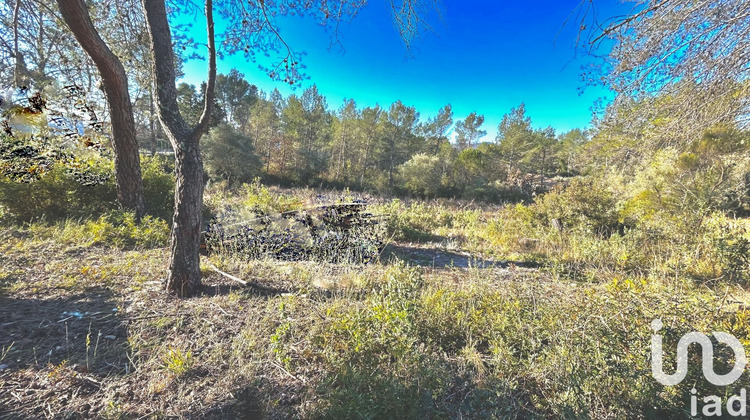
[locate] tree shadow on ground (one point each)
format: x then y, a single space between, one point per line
49 331
58 349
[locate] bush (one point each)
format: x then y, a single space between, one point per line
41 180
586 204
230 155
59 194
417 222
731 244
421 176
263 201
158 186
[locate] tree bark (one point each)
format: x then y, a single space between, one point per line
183 276
127 160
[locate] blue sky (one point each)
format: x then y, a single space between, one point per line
485 56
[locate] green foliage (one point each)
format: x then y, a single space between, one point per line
474 168
299 141
229 155
307 125
675 193
59 193
260 199
732 245
178 362
468 131
191 103
416 349
422 175
235 95
114 229
41 180
586 204
158 186
514 230
416 222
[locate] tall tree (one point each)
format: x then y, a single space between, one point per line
469 131
342 147
115 83
315 132
264 128
541 158
515 136
400 141
370 132
229 155
183 276
34 43
235 96
190 102
436 129
570 148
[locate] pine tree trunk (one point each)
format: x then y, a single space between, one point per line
184 275
127 160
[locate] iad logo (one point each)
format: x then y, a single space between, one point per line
736 405
708 357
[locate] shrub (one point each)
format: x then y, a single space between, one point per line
230 155
41 180
158 186
421 176
262 200
58 194
731 244
586 204
417 222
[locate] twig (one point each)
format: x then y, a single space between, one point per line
721 305
221 309
287 372
252 284
227 275
155 316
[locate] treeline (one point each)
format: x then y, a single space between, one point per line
299 140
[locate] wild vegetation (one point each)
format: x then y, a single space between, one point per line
361 262
88 330
519 310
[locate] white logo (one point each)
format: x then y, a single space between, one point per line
708 356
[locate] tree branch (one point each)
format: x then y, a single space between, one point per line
210 93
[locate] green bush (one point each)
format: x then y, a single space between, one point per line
260 199
422 175
58 194
40 180
417 222
586 204
158 186
229 155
